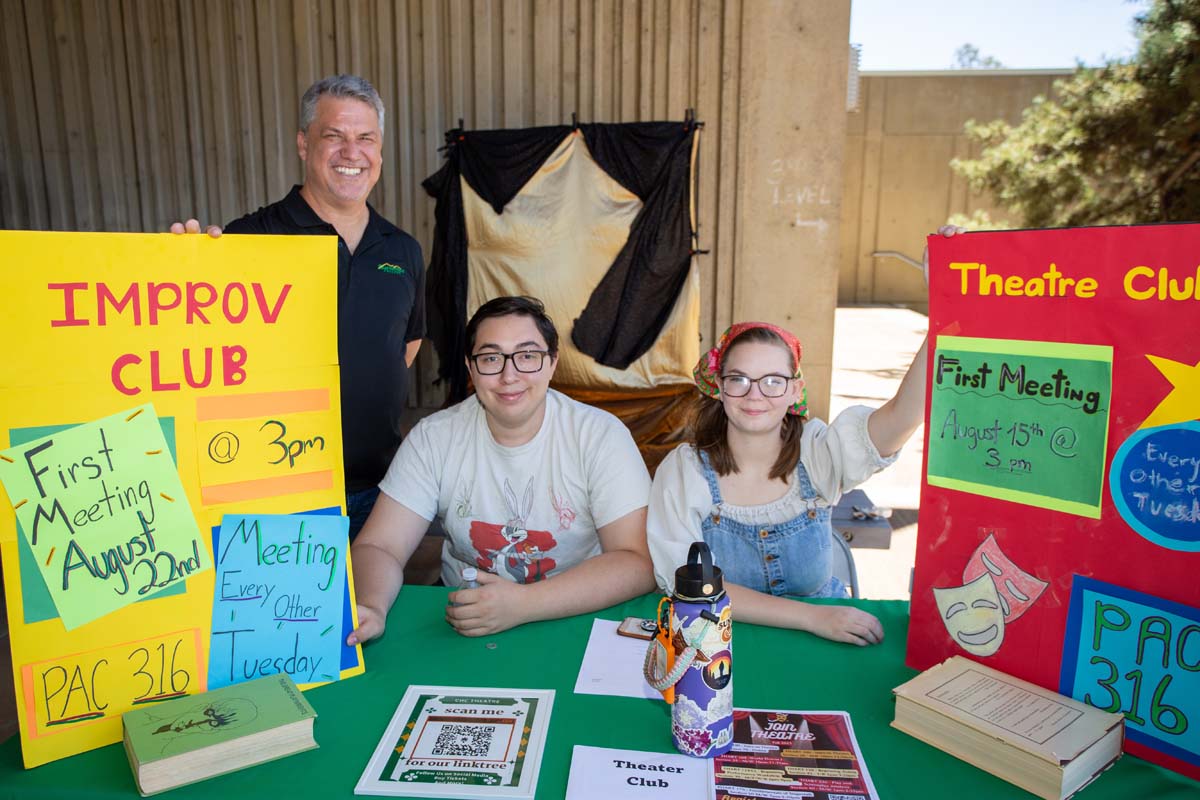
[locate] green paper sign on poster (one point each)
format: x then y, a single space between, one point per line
1021 421
103 512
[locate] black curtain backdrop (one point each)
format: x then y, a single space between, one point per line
629 307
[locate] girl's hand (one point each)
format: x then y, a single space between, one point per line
845 624
947 231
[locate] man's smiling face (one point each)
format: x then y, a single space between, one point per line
342 151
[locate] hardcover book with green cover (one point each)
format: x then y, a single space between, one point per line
199 736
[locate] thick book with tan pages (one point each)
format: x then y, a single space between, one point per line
1045 743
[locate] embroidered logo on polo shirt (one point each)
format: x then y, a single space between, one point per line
393 268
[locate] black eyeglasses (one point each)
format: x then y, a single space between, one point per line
523 361
769 385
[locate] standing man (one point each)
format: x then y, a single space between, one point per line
381 274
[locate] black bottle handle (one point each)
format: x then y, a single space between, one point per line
699 550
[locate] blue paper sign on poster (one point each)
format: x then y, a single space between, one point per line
1138 655
1155 484
279 598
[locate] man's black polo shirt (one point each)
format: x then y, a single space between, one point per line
381 307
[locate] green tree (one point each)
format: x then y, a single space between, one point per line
1117 144
968 57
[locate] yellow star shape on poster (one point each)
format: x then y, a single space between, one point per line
1183 402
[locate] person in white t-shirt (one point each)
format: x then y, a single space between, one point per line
544 495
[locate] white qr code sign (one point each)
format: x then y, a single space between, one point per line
461 742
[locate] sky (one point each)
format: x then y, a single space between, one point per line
1021 34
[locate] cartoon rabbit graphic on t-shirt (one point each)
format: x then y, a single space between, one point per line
512 549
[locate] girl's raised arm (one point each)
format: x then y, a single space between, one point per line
893 423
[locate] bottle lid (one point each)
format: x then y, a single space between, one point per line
699 579
470 573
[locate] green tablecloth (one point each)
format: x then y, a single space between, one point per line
772 669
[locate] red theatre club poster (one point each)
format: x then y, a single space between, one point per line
1059 534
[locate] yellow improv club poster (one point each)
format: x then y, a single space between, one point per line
229 346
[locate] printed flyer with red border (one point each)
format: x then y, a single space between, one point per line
786 755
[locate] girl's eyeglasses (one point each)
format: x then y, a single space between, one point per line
768 385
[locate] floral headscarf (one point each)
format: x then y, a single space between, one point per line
708 369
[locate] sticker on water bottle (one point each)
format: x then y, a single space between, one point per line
725 624
718 671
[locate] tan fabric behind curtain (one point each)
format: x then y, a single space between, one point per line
555 241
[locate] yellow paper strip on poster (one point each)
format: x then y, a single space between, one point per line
264 488
257 404
269 446
72 691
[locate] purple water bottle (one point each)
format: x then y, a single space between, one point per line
702 632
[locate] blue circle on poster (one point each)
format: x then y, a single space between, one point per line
1155 484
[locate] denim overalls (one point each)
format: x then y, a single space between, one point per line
793 558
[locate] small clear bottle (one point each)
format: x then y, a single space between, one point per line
470 576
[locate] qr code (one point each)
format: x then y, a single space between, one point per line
473 741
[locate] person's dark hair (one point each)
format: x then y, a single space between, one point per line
707 422
520 305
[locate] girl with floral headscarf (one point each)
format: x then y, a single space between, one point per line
757 479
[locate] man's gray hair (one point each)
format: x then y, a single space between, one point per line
350 86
